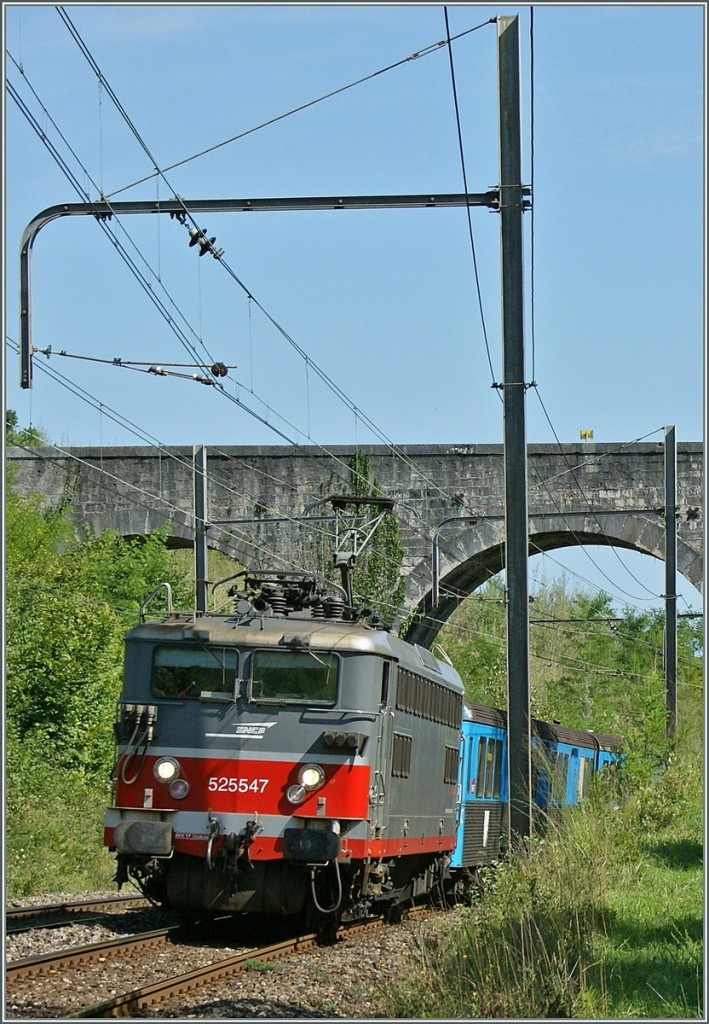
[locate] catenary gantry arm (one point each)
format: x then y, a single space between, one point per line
103 210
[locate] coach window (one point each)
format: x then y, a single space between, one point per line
489 768
299 677
540 773
187 673
583 786
559 775
480 776
497 769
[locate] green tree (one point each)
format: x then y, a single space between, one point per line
124 571
25 436
590 666
376 577
67 606
68 602
377 574
474 639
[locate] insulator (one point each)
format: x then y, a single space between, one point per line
277 600
334 609
292 598
317 610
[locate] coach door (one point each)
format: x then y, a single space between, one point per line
381 763
486 809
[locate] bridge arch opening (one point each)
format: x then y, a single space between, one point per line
627 564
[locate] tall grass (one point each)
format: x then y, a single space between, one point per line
527 949
600 917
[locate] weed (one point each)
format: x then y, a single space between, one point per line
263 965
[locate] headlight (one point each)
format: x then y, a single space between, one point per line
296 794
166 769
311 777
179 789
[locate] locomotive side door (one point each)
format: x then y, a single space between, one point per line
381 762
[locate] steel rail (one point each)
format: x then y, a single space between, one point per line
33 966
130 1003
24 918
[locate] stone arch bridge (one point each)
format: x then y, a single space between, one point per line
449 503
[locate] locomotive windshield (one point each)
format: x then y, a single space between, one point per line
302 677
189 672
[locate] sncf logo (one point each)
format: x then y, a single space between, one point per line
245 732
257 731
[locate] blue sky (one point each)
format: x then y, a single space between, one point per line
383 304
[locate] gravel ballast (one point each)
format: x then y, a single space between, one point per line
344 981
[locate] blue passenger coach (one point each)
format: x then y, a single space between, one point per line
563 764
564 761
482 786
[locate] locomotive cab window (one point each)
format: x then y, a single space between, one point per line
299 677
188 673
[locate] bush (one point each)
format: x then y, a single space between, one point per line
53 824
527 950
599 917
68 603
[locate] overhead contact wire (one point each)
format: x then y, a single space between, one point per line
304 106
323 376
467 204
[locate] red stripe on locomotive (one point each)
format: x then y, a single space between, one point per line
251 786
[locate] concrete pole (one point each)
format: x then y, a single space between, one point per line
671 581
515 441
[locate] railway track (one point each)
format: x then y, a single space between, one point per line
59 983
56 915
59 960
89 981
130 1003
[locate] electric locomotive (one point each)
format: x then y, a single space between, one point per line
293 757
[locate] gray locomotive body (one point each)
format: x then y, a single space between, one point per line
283 759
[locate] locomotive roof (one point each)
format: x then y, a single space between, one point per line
545 730
298 633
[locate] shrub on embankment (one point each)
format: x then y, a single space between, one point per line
601 917
68 602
